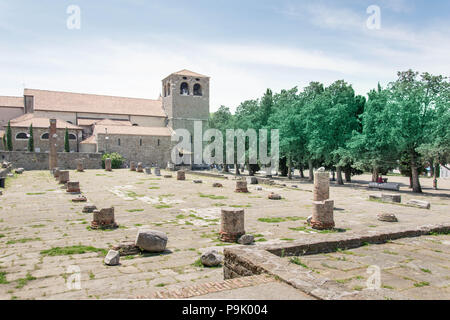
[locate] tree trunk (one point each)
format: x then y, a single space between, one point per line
415 175
348 175
311 170
301 172
339 176
435 186
333 174
226 168
375 174
238 173
289 168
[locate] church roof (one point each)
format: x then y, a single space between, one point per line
11 102
45 100
189 73
134 131
24 121
89 122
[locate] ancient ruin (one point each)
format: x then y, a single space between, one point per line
63 177
241 186
73 187
323 207
80 167
108 164
104 219
181 175
231 224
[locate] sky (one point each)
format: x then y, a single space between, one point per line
125 48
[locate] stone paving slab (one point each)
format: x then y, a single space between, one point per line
36 214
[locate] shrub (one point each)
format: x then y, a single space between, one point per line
116 160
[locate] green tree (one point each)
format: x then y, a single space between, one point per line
221 120
412 111
31 139
9 145
66 141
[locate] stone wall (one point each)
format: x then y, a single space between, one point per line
39 160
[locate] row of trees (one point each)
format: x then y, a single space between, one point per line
404 125
8 145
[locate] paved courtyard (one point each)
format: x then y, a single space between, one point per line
39 224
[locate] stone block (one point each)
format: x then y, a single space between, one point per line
73 187
132 166
323 215
241 186
211 258
232 224
321 186
104 219
151 240
108 164
63 177
394 198
112 258
140 167
419 204
181 175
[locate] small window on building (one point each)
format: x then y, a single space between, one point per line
168 89
72 136
118 142
21 136
197 90
159 142
140 142
184 89
45 136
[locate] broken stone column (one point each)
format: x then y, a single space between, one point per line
148 170
158 171
140 167
241 186
321 185
80 165
108 165
63 177
231 224
73 187
323 208
181 175
104 219
388 197
53 156
132 166
56 172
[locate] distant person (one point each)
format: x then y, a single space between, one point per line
380 179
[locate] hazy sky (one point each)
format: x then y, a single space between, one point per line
126 48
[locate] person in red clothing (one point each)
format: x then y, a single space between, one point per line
380 179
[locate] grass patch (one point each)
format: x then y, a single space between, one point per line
280 219
154 188
22 282
3 278
198 263
287 239
35 194
390 252
67 251
261 240
240 206
24 240
38 226
162 206
297 261
160 285
211 196
219 204
135 210
425 270
421 284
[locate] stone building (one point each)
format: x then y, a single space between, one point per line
139 129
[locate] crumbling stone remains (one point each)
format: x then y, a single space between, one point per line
56 172
387 217
148 170
80 165
231 224
198 181
253 180
211 258
19 170
151 240
73 187
80 198
127 248
246 240
140 167
89 209
104 219
217 185
158 172
323 207
63 177
394 198
241 186
419 204
181 175
108 164
132 166
274 196
168 176
112 258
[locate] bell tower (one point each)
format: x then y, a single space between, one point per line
186 99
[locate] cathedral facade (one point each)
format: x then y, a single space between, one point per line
138 129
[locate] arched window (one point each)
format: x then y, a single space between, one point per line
118 142
184 89
197 90
21 136
45 136
72 136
